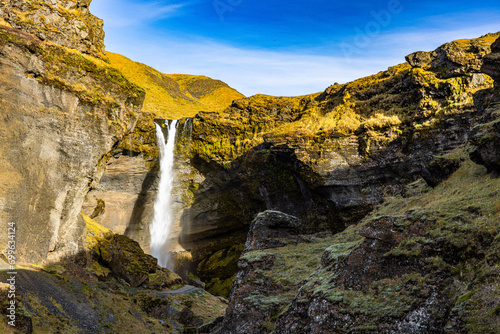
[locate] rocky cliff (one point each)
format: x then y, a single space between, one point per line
66 113
329 158
63 22
422 261
63 111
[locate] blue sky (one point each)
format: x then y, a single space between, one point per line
286 48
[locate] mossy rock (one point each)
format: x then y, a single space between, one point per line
98 237
221 287
155 305
127 259
221 263
163 279
124 257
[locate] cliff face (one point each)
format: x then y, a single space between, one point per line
329 158
62 112
422 261
63 22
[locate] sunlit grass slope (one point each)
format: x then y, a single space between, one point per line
175 95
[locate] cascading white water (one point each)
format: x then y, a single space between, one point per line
162 221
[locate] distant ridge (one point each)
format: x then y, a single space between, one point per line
175 95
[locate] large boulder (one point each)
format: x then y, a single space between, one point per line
125 259
271 229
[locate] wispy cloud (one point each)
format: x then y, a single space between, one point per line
120 13
253 71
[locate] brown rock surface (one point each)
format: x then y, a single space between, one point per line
64 22
61 115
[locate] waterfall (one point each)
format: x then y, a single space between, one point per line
163 215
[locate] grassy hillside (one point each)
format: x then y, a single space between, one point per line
175 95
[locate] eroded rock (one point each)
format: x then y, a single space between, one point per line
64 22
62 114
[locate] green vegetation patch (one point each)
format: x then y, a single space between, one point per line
452 229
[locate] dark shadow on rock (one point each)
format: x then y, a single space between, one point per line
486 138
134 224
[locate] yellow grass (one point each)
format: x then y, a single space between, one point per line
176 95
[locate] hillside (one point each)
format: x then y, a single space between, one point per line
174 96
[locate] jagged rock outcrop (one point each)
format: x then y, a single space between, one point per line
455 58
427 269
429 266
64 22
62 113
263 286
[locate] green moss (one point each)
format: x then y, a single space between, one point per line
464 297
219 269
89 78
221 287
99 270
218 263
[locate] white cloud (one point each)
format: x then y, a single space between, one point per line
119 13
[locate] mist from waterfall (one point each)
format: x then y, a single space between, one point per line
163 215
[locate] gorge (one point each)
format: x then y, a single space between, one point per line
370 207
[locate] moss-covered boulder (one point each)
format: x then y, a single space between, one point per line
123 257
126 258
163 279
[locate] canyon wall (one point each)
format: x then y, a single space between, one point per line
62 113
